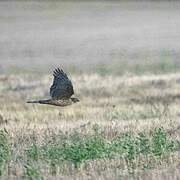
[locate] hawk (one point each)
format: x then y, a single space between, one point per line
60 91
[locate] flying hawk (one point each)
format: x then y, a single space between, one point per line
60 91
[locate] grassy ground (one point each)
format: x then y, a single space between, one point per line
125 127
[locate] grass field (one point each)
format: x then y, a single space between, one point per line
124 61
125 127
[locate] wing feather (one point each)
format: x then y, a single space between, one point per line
62 87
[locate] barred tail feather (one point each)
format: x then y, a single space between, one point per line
32 101
40 101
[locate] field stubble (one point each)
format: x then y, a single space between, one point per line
124 127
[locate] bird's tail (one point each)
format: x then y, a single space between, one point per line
40 101
32 101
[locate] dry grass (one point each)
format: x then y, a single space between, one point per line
126 126
117 104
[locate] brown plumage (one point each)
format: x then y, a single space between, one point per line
60 91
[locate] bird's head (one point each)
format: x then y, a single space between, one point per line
75 100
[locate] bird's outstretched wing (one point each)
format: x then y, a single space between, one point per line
62 87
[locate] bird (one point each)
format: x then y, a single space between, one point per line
60 91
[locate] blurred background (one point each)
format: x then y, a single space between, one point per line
90 36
